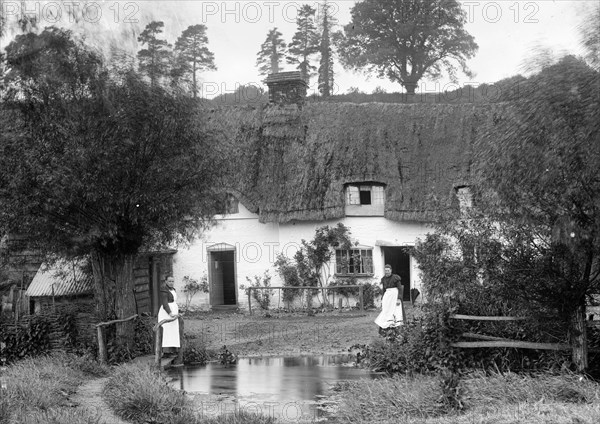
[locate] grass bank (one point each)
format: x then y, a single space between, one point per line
476 398
39 390
140 394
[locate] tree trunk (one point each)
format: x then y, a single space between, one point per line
114 292
578 339
410 87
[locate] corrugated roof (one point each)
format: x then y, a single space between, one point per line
62 279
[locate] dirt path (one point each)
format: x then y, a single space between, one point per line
89 397
284 333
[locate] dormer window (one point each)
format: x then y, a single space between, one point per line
365 199
228 205
465 198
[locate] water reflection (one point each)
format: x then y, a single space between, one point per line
277 381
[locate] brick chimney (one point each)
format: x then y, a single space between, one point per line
286 88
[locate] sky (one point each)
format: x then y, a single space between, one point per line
508 33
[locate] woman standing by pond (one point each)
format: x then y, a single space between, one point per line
169 310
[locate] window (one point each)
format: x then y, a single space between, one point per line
228 205
363 194
465 197
365 199
354 261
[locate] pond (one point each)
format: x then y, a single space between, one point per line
289 388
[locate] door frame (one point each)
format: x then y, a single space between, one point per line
407 250
221 247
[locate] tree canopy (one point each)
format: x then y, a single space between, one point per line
154 60
305 42
99 163
326 74
271 53
406 40
531 241
193 55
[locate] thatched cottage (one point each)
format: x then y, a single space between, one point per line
383 170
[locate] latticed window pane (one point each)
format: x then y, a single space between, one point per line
377 195
365 195
352 195
354 261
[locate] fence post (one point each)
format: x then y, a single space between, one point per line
101 345
158 347
360 296
249 301
180 353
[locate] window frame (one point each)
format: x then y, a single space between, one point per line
365 265
230 204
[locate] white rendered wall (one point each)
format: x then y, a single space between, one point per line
254 243
257 245
367 231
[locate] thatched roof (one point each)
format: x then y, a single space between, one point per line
289 163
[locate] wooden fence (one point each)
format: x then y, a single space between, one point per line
322 289
491 341
102 352
158 330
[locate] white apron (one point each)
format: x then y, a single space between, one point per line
391 314
170 329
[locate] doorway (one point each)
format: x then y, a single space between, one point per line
222 278
399 259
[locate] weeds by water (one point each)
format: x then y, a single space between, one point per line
140 394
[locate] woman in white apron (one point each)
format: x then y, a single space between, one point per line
392 310
168 310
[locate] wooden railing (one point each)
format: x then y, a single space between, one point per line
491 341
158 330
102 354
322 289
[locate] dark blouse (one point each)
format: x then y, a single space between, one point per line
393 281
166 297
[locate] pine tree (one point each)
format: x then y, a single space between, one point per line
192 55
326 76
271 52
305 42
154 60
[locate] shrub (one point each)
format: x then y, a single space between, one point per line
31 340
418 346
142 344
191 287
289 273
226 357
140 394
459 278
195 353
345 292
370 293
262 296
